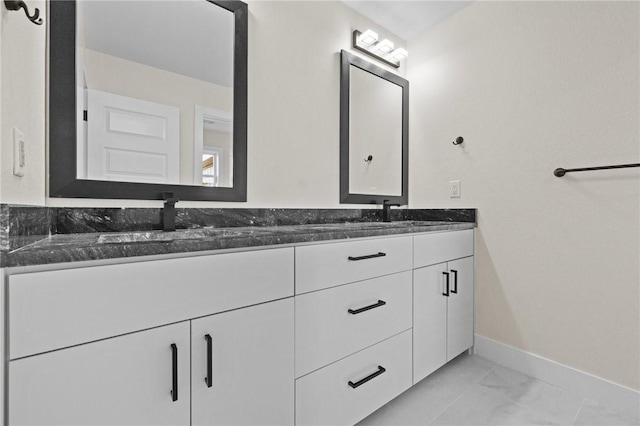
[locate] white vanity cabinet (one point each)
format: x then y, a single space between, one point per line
115 373
442 300
316 334
353 328
224 363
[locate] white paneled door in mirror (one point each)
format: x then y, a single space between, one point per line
178 54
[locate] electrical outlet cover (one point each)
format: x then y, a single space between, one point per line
454 189
18 152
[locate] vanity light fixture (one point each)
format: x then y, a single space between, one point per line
384 47
367 42
399 54
368 37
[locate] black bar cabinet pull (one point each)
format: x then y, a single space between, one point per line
381 370
446 275
455 281
561 172
366 308
174 363
369 256
209 378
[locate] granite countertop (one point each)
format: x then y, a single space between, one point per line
76 247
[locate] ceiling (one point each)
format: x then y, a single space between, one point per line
191 38
407 19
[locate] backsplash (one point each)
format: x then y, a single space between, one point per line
23 225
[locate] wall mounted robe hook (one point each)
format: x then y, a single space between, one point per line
368 159
17 5
458 140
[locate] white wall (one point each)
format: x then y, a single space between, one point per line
294 100
533 86
293 112
22 104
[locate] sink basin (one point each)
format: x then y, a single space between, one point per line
251 231
139 238
159 236
370 225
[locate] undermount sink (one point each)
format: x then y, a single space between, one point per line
139 238
251 231
371 225
158 236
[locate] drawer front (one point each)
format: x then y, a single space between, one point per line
326 331
432 248
327 265
56 309
325 397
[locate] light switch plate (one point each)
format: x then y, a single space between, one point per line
454 189
18 152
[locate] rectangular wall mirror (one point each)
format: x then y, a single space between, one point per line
374 108
148 97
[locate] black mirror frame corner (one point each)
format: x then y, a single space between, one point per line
346 61
63 181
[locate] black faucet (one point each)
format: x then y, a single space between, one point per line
169 212
386 210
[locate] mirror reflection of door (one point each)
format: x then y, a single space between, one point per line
375 134
132 140
173 53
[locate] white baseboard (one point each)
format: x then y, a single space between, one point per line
609 394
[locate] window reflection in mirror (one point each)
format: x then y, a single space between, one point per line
156 81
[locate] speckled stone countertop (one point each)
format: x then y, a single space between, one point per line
33 235
99 246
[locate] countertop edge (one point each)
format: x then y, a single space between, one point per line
46 254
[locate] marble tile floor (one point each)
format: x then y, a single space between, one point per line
473 391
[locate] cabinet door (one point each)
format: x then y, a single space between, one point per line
252 367
125 380
460 311
429 320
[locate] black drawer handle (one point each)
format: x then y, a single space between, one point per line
446 275
455 281
381 370
209 378
366 308
369 256
174 365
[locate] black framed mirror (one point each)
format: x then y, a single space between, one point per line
85 76
374 133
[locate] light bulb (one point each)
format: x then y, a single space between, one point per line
399 54
368 37
385 46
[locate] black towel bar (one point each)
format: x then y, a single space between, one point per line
561 172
